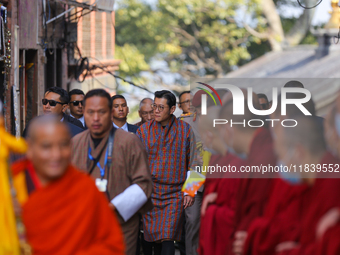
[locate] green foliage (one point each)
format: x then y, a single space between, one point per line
133 61
195 37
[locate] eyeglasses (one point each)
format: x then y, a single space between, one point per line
76 103
52 103
185 102
159 107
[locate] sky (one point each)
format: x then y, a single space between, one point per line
321 13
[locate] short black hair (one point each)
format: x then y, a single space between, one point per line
260 95
75 92
117 96
98 93
184 92
64 98
169 96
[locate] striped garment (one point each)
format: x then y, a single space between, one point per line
169 159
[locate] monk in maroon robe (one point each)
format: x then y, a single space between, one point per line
62 209
218 210
256 145
305 145
218 207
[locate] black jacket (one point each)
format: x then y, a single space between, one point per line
132 128
74 130
69 119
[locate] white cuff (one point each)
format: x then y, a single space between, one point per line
129 201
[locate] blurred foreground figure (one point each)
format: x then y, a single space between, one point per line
63 211
255 146
9 243
219 203
305 145
281 219
118 162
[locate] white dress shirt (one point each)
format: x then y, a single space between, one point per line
125 127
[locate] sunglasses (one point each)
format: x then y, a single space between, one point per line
76 103
52 103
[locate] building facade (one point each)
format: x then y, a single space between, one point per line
48 41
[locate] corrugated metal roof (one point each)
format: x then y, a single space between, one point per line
294 64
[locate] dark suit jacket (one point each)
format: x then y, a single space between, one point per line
74 130
69 119
132 128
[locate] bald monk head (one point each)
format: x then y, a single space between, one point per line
238 136
49 147
303 144
209 134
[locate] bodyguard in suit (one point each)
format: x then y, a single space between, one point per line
76 105
120 111
55 102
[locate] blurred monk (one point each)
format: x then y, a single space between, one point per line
62 209
218 207
255 145
304 145
281 218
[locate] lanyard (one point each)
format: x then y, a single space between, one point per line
108 155
102 170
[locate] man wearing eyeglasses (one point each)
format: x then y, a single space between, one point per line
184 103
76 105
55 102
145 111
168 142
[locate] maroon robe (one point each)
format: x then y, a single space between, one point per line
218 223
315 203
280 222
330 242
253 193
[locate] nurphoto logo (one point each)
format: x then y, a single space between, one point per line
239 99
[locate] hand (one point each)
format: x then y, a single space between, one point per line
240 239
210 198
330 219
285 246
188 201
112 207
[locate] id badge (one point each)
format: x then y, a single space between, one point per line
101 184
